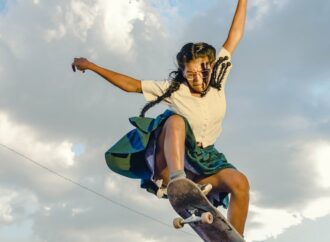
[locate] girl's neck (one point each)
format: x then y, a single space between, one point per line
193 92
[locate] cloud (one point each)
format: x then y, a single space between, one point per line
270 222
318 208
23 138
276 130
56 156
118 23
16 205
259 9
266 223
320 154
104 234
113 21
313 158
78 18
51 199
5 209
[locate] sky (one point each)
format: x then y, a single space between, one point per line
276 129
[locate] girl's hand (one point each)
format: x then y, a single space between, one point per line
81 64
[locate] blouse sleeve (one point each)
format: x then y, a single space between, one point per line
152 89
223 52
222 73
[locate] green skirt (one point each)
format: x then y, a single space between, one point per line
127 157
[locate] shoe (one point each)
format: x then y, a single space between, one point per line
162 191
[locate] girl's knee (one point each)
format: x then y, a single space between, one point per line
239 183
242 183
175 122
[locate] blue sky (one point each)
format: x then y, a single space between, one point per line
2 5
5 4
276 130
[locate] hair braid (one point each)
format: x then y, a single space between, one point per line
174 86
218 75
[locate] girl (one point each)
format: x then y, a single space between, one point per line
179 143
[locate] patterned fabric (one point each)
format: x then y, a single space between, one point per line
127 156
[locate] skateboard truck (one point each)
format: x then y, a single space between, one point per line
196 216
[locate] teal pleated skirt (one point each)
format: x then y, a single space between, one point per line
127 157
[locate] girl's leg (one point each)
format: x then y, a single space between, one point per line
170 158
170 148
236 183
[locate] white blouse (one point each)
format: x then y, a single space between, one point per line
204 114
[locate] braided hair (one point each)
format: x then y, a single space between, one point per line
189 52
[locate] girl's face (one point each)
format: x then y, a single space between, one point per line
198 74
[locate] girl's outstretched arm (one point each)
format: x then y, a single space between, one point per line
237 27
124 82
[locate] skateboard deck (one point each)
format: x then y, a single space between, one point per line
196 210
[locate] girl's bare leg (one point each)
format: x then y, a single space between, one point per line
170 148
236 183
170 157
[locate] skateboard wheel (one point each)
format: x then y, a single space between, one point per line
178 223
207 218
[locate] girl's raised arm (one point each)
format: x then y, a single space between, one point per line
124 82
237 27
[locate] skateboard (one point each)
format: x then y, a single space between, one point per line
197 211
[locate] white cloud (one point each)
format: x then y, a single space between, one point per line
317 153
86 25
26 140
78 211
53 34
111 185
314 156
320 155
16 205
84 16
261 9
78 18
270 222
54 155
107 234
132 191
112 20
118 23
6 197
318 208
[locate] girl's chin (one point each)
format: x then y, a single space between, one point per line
198 89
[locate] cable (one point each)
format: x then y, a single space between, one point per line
91 190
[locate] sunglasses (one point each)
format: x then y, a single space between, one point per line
202 74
